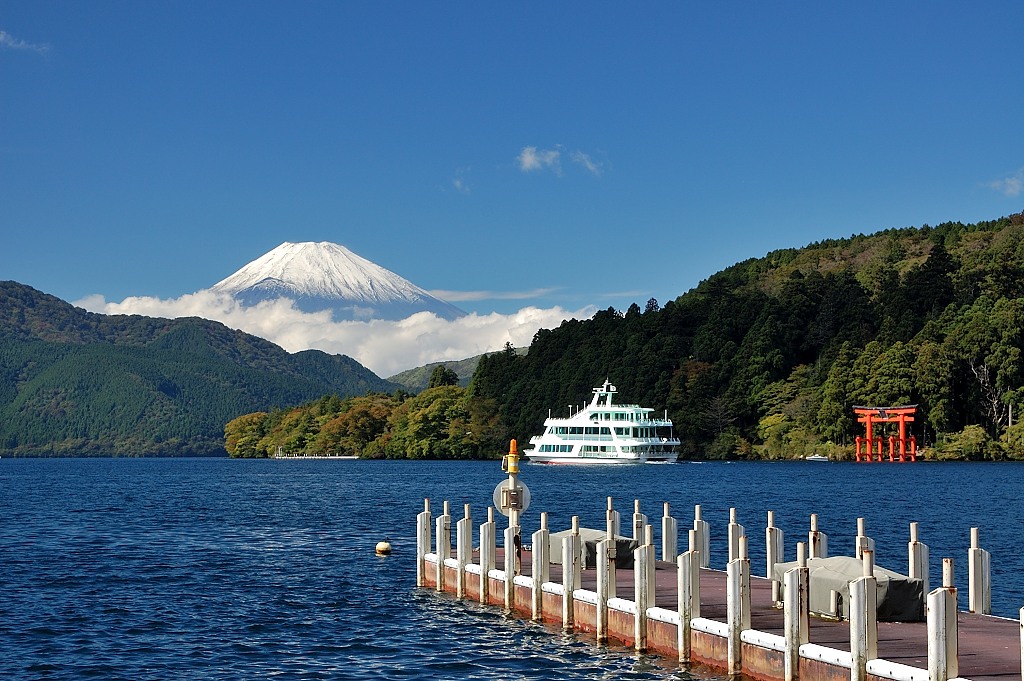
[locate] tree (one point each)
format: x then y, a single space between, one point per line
986 339
242 435
933 376
442 375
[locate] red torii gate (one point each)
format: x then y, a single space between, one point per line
871 415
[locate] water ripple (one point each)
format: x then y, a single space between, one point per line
229 570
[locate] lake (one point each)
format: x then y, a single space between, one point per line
246 569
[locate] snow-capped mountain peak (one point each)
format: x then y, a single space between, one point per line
324 275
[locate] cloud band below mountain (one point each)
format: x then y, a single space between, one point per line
384 347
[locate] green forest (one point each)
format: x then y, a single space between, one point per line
73 383
763 360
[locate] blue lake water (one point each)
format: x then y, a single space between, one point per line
225 569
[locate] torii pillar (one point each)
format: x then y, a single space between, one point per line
871 415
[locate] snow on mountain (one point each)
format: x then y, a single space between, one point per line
323 275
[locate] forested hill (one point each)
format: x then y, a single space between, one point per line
768 357
78 383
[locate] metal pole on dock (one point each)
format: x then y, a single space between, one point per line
774 554
513 498
444 543
423 522
510 568
463 551
817 541
688 590
571 548
979 577
735 532
942 628
918 558
639 520
612 535
1022 642
615 519
605 574
643 587
701 541
737 604
796 612
669 536
863 618
863 542
487 554
541 565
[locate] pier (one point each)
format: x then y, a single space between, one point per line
790 621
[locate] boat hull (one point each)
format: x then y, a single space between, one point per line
584 460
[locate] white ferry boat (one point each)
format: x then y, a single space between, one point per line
605 433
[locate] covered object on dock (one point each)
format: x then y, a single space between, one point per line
900 598
589 538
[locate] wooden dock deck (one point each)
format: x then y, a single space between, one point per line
989 648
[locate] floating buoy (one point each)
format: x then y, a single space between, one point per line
383 548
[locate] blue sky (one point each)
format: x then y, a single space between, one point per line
524 154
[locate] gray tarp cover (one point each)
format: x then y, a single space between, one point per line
589 538
900 598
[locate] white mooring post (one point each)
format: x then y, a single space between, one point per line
571 548
463 551
796 612
817 541
611 534
669 536
863 542
511 533
1022 642
639 520
604 548
774 553
979 577
737 604
643 590
918 558
702 541
615 518
863 618
942 628
541 565
487 554
444 543
735 532
423 522
688 597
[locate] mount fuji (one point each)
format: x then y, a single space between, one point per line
325 276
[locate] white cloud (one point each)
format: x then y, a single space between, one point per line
459 181
1011 185
459 296
10 42
586 161
532 158
385 347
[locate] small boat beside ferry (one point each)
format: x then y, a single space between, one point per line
604 432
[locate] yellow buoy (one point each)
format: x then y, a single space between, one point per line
383 548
